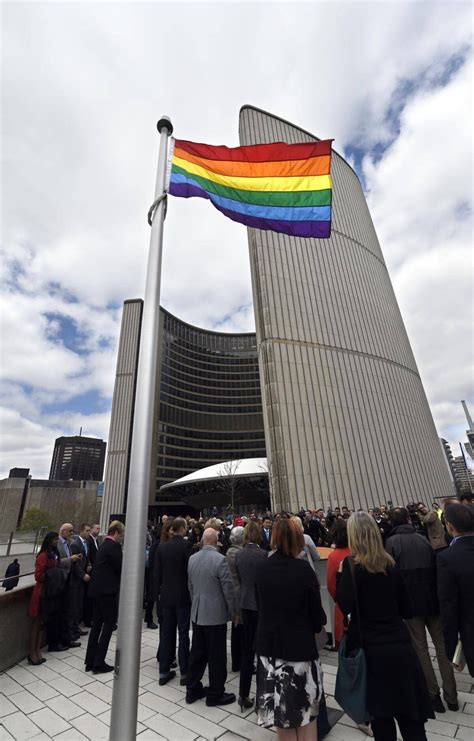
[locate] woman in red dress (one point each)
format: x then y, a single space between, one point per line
341 550
47 558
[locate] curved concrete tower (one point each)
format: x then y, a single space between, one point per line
346 417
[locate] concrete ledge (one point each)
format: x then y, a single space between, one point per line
15 626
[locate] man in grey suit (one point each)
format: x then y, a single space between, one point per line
67 561
212 592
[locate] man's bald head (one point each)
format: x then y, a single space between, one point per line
66 530
209 537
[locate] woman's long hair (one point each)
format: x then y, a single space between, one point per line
47 541
365 542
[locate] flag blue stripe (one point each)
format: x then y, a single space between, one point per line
296 213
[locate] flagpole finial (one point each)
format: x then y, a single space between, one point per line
165 123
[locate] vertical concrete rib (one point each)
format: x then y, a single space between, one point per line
121 420
346 416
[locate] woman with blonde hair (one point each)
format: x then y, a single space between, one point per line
370 588
310 553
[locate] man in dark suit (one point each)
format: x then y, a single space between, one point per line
92 549
416 560
266 534
79 577
456 582
104 590
171 588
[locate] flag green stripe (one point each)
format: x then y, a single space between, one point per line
263 198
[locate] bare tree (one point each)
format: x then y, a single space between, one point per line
227 479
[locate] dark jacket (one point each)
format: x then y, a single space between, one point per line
416 560
289 609
105 578
13 569
246 563
93 549
79 568
456 597
170 573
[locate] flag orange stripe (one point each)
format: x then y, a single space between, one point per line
319 165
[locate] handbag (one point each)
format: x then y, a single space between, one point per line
351 679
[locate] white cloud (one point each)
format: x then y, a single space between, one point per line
420 196
84 85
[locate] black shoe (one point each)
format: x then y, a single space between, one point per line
102 669
235 670
437 705
31 662
193 695
452 706
225 699
89 667
152 626
59 647
183 680
74 644
245 702
165 680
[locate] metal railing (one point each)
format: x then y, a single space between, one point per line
18 538
17 576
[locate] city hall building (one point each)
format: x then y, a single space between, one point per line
328 387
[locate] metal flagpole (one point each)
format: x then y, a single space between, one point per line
123 721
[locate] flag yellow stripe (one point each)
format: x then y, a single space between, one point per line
315 182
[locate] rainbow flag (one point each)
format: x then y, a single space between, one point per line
283 187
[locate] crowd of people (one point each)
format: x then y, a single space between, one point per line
396 574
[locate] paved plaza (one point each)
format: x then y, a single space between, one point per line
60 700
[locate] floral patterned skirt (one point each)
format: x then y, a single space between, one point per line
288 692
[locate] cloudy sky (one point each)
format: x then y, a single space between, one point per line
83 86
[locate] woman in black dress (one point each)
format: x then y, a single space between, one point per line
289 677
396 686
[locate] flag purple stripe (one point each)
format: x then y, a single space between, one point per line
318 229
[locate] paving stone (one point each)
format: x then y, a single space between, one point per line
49 721
229 736
92 705
462 719
468 708
169 729
43 691
215 715
100 690
248 730
75 662
438 726
4 735
66 687
149 735
6 707
20 726
197 723
64 707
42 672
167 692
90 727
71 735
464 733
21 675
158 704
8 686
26 702
81 678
